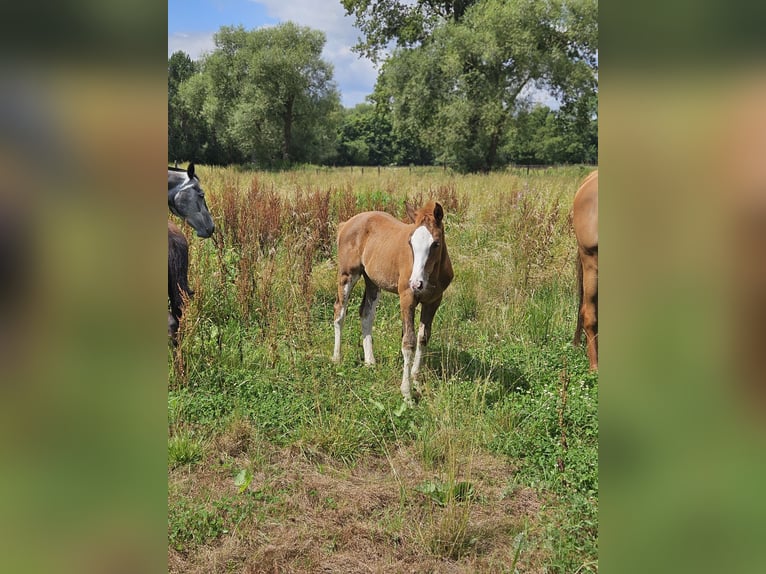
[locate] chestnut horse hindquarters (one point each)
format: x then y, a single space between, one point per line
585 223
410 260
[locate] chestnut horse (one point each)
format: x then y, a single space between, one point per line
410 260
585 222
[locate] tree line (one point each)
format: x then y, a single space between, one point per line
455 86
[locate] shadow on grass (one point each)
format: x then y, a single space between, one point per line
449 362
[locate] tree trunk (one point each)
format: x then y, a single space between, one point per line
492 152
288 129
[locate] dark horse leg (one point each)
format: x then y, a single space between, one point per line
178 284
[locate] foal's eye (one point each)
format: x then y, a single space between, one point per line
435 245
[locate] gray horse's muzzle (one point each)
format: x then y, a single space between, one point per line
202 224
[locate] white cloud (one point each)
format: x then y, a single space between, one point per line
194 44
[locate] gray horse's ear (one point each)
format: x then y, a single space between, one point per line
438 213
190 170
410 211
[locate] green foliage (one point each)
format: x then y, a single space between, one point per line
184 449
458 92
183 130
243 479
441 493
266 96
180 68
192 522
406 23
190 525
542 136
365 138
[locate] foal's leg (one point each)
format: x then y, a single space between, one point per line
427 312
367 313
407 304
590 307
346 282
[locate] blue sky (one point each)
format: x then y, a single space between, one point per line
192 23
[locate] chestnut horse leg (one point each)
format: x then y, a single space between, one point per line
367 313
578 330
589 310
407 304
346 282
427 312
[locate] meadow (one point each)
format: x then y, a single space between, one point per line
281 461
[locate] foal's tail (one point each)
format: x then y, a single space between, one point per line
578 329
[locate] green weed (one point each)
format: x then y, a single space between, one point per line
184 449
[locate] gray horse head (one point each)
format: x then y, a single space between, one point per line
187 200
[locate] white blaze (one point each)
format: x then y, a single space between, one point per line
421 242
188 183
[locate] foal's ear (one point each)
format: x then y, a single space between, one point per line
438 213
410 211
190 170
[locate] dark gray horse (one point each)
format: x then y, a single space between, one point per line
187 200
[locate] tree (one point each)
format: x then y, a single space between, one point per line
180 68
541 136
266 96
405 23
365 137
204 126
578 120
458 91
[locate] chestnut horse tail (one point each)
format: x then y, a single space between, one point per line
578 330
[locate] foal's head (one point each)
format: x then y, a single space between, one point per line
427 243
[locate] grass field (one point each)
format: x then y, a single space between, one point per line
281 461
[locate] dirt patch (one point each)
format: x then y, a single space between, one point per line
319 516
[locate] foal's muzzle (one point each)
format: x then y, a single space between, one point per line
417 286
